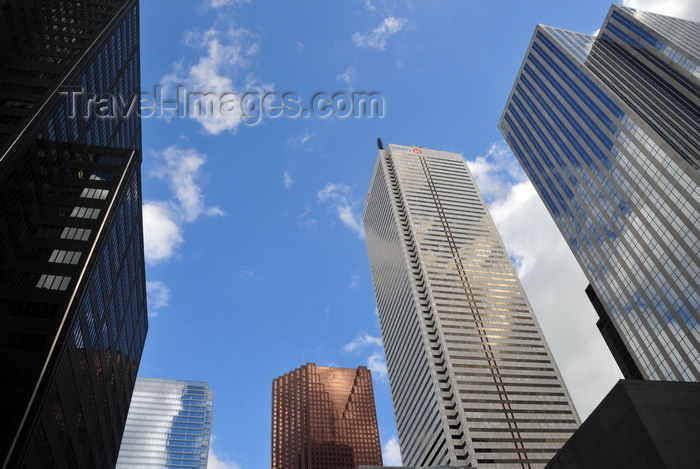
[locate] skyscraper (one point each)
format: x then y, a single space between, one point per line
607 128
472 379
169 425
324 418
72 293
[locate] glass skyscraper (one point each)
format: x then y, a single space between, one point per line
73 316
169 425
607 128
324 418
473 381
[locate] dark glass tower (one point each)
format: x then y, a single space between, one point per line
607 128
324 418
73 314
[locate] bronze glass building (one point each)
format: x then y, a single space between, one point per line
324 418
73 314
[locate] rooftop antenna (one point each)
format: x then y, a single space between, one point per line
380 145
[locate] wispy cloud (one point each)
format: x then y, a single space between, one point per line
354 281
678 8
223 3
363 339
306 221
391 453
288 181
253 50
369 5
250 276
375 362
220 69
348 76
158 295
339 197
376 39
163 219
301 139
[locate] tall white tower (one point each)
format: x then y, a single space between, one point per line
473 381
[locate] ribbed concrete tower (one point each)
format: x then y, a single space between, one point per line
472 379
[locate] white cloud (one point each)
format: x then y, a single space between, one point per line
375 362
361 341
224 57
350 220
379 35
217 460
161 234
377 365
495 171
158 295
391 453
348 76
162 220
354 281
288 181
299 45
555 286
339 197
180 169
685 9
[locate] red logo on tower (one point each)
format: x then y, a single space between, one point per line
417 151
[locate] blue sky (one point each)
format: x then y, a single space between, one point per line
256 261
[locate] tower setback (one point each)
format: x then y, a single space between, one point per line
324 417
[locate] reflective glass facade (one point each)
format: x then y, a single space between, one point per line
607 128
169 425
472 378
324 418
73 316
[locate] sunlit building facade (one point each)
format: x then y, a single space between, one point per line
473 381
73 316
169 425
607 128
324 418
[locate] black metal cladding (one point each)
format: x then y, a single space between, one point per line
73 314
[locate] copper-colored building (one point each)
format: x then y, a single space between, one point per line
324 418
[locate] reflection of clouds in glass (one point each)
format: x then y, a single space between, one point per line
162 415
